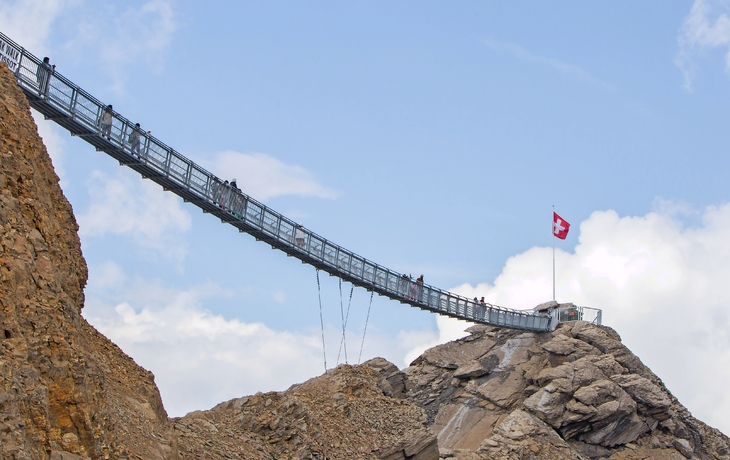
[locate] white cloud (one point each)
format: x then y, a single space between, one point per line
139 34
661 284
200 359
570 70
706 26
123 38
121 205
263 176
54 142
29 22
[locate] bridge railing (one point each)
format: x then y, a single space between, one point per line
80 112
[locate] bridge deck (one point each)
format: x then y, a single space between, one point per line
60 100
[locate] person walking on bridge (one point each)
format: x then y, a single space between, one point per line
105 122
134 139
479 308
236 202
43 75
300 236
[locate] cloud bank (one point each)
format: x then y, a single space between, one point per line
122 39
29 22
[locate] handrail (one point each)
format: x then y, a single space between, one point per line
67 104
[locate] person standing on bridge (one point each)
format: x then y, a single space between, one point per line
236 204
479 308
43 75
300 236
403 284
225 191
105 122
134 139
416 289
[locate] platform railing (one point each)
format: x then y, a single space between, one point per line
64 102
571 313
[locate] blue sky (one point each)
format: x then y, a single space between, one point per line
430 137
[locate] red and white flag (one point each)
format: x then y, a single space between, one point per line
560 226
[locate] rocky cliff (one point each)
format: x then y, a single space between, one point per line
68 393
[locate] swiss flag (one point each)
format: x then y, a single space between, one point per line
560 226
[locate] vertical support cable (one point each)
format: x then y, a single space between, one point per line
342 317
343 341
321 320
362 344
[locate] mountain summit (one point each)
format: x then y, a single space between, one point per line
69 393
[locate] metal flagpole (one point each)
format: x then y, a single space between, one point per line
552 220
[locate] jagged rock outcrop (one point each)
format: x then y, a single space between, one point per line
66 391
577 392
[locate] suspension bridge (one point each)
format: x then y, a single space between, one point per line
68 105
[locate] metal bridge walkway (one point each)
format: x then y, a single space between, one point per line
60 100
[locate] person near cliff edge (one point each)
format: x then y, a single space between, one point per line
43 75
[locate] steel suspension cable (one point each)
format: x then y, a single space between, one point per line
321 320
342 316
366 326
343 342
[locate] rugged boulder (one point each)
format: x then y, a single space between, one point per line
577 392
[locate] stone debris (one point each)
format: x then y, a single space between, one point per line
344 413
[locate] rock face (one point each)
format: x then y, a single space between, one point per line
66 392
577 392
